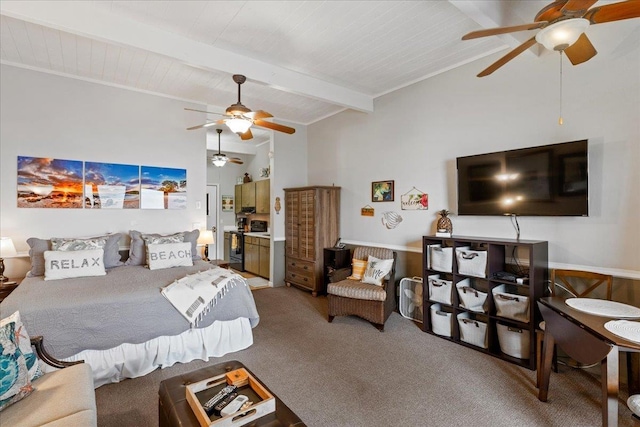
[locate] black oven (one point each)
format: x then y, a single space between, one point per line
236 250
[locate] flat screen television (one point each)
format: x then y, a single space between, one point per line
550 180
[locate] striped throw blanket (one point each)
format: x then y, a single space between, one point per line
195 294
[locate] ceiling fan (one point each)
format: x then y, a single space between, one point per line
220 159
240 119
562 25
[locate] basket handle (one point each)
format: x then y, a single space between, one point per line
438 283
467 255
441 313
467 321
507 298
466 289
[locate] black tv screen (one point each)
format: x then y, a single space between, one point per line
550 180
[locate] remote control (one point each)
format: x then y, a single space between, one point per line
224 402
234 406
226 391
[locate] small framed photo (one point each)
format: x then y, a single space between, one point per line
227 203
382 191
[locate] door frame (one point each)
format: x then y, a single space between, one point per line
218 236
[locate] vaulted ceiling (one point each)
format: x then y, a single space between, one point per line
304 60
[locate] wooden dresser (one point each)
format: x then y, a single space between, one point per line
312 223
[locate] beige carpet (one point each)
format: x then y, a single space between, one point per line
346 373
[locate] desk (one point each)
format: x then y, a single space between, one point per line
584 338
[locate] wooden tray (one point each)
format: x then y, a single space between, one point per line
198 393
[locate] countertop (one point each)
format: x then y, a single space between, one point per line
262 235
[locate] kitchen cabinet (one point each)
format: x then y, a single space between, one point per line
256 255
263 196
249 195
312 223
238 202
264 259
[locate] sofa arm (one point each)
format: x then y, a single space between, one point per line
46 357
338 275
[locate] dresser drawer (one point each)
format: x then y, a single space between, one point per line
300 266
305 279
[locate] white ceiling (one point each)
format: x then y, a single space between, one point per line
304 60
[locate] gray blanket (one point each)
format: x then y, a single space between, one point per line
125 306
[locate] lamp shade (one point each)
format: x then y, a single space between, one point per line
238 124
563 34
7 249
206 237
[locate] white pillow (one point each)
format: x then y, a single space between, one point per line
68 264
167 255
377 269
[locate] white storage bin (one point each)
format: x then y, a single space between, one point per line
510 305
440 290
472 331
471 298
441 321
441 258
514 341
471 263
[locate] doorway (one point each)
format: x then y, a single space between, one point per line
212 220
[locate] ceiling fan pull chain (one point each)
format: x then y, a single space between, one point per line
560 121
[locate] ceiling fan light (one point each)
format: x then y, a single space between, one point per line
219 160
238 124
563 34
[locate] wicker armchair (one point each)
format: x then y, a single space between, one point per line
350 297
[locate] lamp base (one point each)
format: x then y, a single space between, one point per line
9 284
3 279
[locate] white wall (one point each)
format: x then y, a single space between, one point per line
415 135
44 115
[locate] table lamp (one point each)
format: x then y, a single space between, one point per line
206 239
7 249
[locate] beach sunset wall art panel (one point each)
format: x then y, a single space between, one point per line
49 183
111 186
163 188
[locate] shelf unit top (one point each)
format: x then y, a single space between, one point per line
488 240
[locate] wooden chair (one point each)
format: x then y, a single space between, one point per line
567 281
350 297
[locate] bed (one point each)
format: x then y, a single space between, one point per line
123 326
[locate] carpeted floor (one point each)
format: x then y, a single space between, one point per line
346 373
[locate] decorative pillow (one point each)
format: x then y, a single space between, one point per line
357 269
23 341
167 255
376 270
137 251
39 246
14 375
69 264
64 244
150 239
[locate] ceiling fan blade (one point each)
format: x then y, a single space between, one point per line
508 57
274 126
581 51
260 114
614 12
206 125
577 8
503 30
235 160
246 135
203 111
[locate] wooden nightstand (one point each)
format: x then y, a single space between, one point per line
7 287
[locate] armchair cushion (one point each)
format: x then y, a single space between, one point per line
357 290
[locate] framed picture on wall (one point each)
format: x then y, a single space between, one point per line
227 203
382 191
